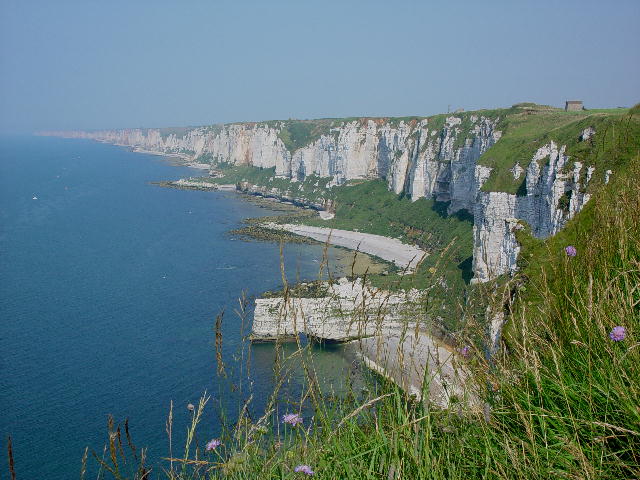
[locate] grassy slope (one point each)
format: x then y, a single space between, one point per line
313 188
563 397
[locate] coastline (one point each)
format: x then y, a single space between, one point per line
390 353
403 255
185 159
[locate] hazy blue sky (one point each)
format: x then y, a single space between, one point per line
101 64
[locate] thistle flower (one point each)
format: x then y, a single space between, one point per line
464 351
618 333
571 251
306 469
292 419
213 444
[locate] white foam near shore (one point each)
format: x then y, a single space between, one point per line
393 250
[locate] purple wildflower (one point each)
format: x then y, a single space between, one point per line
571 251
618 333
213 444
464 351
306 469
292 419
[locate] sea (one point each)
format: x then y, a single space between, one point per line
109 291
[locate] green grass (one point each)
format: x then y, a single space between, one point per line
312 189
298 134
179 132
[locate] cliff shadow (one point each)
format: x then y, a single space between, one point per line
441 209
466 269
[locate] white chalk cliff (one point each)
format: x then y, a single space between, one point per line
348 311
435 158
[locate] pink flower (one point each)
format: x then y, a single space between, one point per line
292 419
464 351
213 444
618 334
306 469
571 251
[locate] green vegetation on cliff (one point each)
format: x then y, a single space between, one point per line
299 134
558 399
527 127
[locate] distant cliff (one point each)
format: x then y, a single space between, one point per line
528 176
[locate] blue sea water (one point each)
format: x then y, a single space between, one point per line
109 289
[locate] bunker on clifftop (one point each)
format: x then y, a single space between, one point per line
573 106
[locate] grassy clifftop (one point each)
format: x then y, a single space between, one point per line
527 127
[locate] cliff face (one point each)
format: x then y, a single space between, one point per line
348 311
554 194
375 322
431 157
415 157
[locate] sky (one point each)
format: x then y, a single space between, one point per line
120 64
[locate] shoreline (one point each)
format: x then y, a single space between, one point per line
404 256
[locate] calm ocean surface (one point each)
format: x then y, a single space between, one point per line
109 288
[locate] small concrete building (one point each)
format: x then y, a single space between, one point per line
573 106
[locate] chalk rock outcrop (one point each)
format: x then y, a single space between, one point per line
375 323
554 194
414 360
348 311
